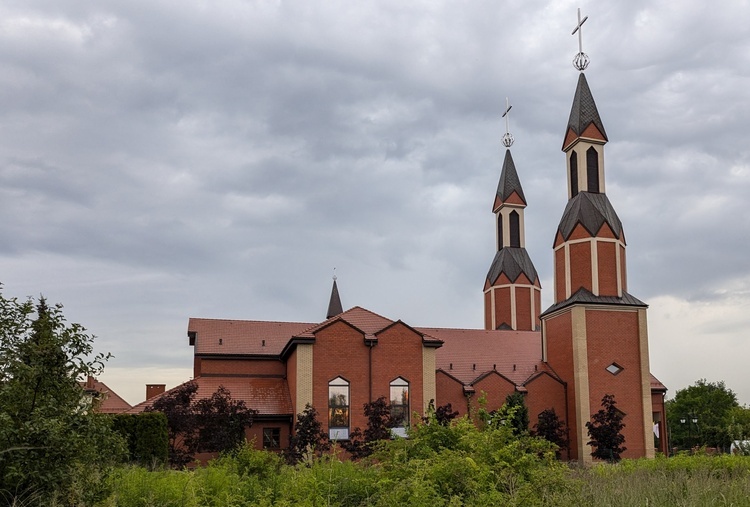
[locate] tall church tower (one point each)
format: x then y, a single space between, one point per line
512 294
595 334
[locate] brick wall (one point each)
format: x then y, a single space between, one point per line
215 366
450 390
495 389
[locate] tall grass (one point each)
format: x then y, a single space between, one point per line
256 478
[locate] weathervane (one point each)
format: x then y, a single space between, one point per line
507 137
581 61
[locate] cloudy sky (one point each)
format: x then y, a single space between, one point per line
161 160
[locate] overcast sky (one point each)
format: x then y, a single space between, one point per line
161 160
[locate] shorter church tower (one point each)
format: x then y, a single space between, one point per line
512 293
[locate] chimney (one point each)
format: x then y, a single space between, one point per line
154 390
90 382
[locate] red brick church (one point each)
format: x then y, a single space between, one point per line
592 341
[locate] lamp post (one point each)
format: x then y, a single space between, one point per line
690 419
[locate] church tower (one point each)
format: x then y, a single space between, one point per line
595 334
512 294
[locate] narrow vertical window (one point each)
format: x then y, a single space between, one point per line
515 229
338 409
499 231
399 406
592 170
573 174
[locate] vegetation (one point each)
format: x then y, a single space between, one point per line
211 424
552 429
706 414
146 435
309 439
379 421
53 447
605 431
439 465
519 421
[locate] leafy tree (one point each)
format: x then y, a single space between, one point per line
605 431
212 424
444 414
53 447
701 414
379 422
519 419
177 406
551 428
146 435
222 421
309 437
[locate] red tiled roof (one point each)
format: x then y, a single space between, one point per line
243 336
468 354
109 401
366 321
269 396
656 385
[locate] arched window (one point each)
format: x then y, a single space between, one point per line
592 170
399 406
515 229
338 409
499 231
573 174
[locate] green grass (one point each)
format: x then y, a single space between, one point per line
256 478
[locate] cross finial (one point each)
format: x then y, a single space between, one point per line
581 60
334 274
507 137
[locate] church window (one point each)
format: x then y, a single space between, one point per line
338 409
592 170
614 368
499 231
573 174
515 229
272 438
399 406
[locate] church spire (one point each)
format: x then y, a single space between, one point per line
511 289
334 305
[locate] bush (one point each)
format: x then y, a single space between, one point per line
146 435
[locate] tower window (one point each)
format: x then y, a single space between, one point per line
614 368
499 231
592 170
515 229
338 409
573 174
399 406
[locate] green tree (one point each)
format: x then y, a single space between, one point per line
212 424
379 422
53 446
701 414
605 431
309 437
519 419
551 428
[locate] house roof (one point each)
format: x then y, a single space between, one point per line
509 181
109 401
269 396
468 354
656 384
364 320
221 336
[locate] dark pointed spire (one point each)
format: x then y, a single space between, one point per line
584 112
509 181
334 306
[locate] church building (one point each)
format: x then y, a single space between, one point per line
592 341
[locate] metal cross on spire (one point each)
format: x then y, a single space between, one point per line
581 60
507 137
